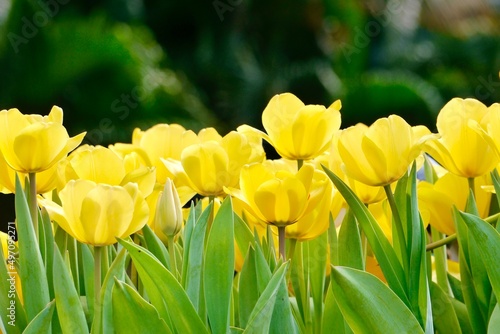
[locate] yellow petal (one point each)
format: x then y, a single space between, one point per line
98 164
279 113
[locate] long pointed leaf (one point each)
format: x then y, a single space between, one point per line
369 306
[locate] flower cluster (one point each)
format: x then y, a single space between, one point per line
351 196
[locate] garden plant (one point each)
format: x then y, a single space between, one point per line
386 228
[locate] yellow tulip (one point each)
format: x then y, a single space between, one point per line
101 165
46 180
164 141
214 163
298 131
32 143
380 154
96 213
465 148
491 122
438 199
278 198
168 218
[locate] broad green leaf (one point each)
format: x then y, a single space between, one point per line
260 318
42 323
69 308
333 242
476 316
333 320
155 246
242 235
218 269
456 287
369 306
487 239
194 261
462 316
32 269
350 250
445 319
157 278
494 323
132 314
87 265
389 263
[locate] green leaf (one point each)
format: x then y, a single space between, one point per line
186 237
69 307
445 319
218 269
369 306
132 314
155 246
487 240
494 323
194 261
350 250
42 323
462 316
389 263
103 320
157 278
49 249
476 316
333 320
242 235
260 318
32 270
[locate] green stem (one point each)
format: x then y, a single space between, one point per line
440 261
32 202
493 218
97 280
300 162
171 253
441 242
399 226
472 186
281 240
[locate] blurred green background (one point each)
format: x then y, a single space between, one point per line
114 65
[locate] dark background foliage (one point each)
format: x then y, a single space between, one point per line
114 65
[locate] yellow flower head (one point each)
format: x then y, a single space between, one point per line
380 154
214 163
96 213
298 131
464 149
101 165
168 218
163 141
34 143
278 198
438 199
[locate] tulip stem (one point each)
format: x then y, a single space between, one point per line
97 280
171 253
281 240
32 202
472 186
399 226
441 242
300 162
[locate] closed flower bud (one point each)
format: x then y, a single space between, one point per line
168 217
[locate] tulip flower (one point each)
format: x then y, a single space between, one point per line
102 165
298 131
46 180
380 154
32 143
215 162
450 191
464 148
163 141
278 198
96 213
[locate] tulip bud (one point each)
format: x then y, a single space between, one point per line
168 217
